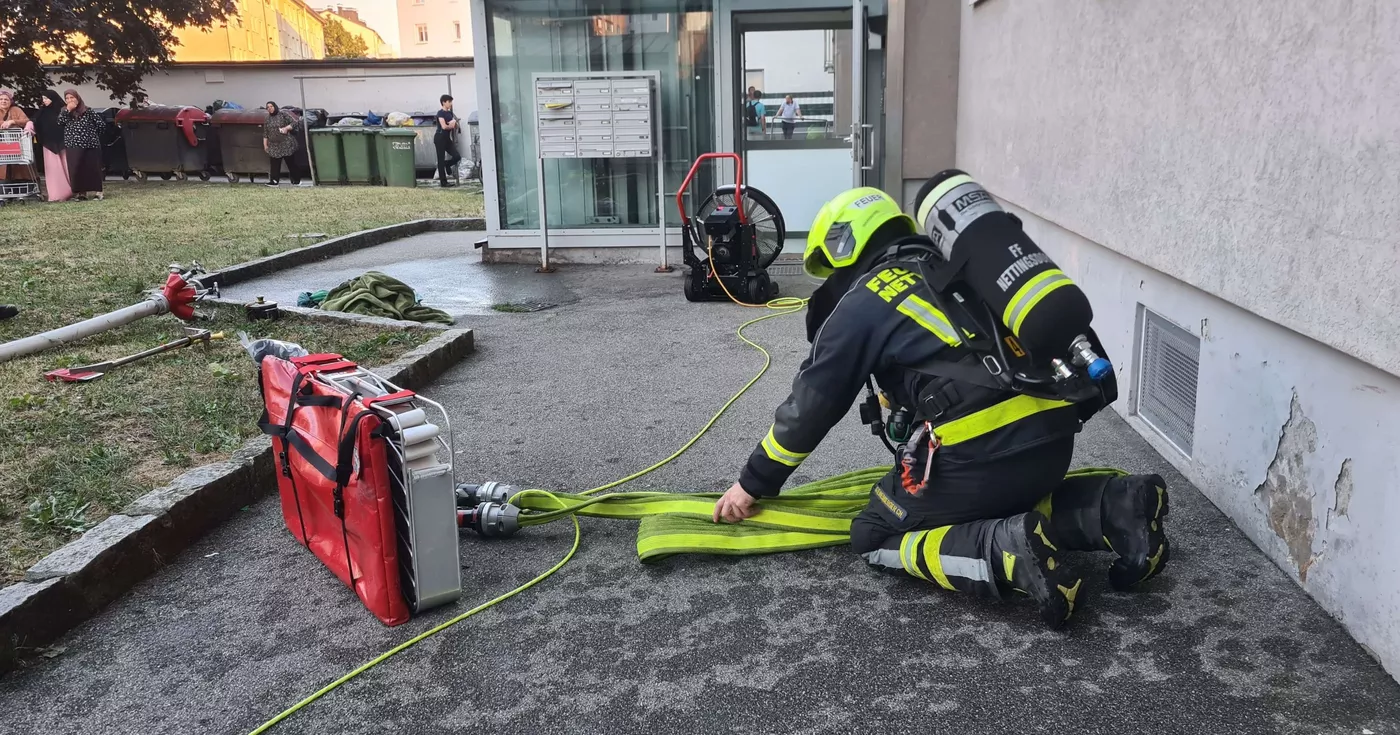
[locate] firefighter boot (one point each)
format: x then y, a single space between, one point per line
1108 510
1024 552
993 558
1134 510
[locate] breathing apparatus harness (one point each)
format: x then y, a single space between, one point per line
992 357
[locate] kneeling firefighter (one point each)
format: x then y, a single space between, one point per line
979 499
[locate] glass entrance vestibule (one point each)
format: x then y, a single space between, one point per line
818 134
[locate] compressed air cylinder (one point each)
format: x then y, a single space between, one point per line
1034 299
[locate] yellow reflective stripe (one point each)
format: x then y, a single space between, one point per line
994 417
938 191
906 554
933 560
1027 296
678 543
777 453
930 318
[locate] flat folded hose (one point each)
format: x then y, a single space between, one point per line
806 517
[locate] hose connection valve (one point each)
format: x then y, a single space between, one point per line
492 520
470 496
1084 355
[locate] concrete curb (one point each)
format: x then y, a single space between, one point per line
337 246
75 582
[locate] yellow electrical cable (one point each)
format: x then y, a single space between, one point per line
381 658
783 306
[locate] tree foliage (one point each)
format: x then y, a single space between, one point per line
117 42
341 44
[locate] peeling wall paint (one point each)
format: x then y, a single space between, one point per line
1342 489
1286 493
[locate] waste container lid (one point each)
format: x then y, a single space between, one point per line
239 117
400 132
184 117
326 131
162 113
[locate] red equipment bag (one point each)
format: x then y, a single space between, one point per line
333 478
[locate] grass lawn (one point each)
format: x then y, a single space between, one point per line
74 453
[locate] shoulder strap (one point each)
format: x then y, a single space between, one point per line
965 372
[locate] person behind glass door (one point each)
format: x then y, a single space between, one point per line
444 140
755 115
789 113
280 144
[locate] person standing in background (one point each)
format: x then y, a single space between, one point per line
50 130
788 114
444 140
280 144
82 143
755 115
13 118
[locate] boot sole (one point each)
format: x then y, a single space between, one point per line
1154 503
1055 590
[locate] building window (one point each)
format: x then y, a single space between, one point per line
457 26
592 193
422 33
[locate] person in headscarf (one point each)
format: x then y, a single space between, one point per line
82 141
12 118
280 144
51 139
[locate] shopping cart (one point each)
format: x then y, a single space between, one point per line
17 150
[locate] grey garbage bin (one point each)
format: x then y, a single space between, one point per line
424 154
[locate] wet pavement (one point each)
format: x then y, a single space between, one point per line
246 622
442 268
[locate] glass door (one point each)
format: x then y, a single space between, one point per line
796 85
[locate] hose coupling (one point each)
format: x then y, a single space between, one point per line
470 496
491 520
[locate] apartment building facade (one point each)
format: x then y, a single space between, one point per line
259 30
436 28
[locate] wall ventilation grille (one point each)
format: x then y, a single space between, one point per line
1168 368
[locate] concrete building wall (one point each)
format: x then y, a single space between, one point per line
791 61
1294 440
928 96
1248 148
252 85
448 24
1235 168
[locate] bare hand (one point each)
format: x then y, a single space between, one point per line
735 505
286 129
6 125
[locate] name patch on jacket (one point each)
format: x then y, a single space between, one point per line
890 283
895 508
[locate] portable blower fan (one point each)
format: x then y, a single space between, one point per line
738 232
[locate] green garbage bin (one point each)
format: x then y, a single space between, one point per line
326 155
394 150
358 146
